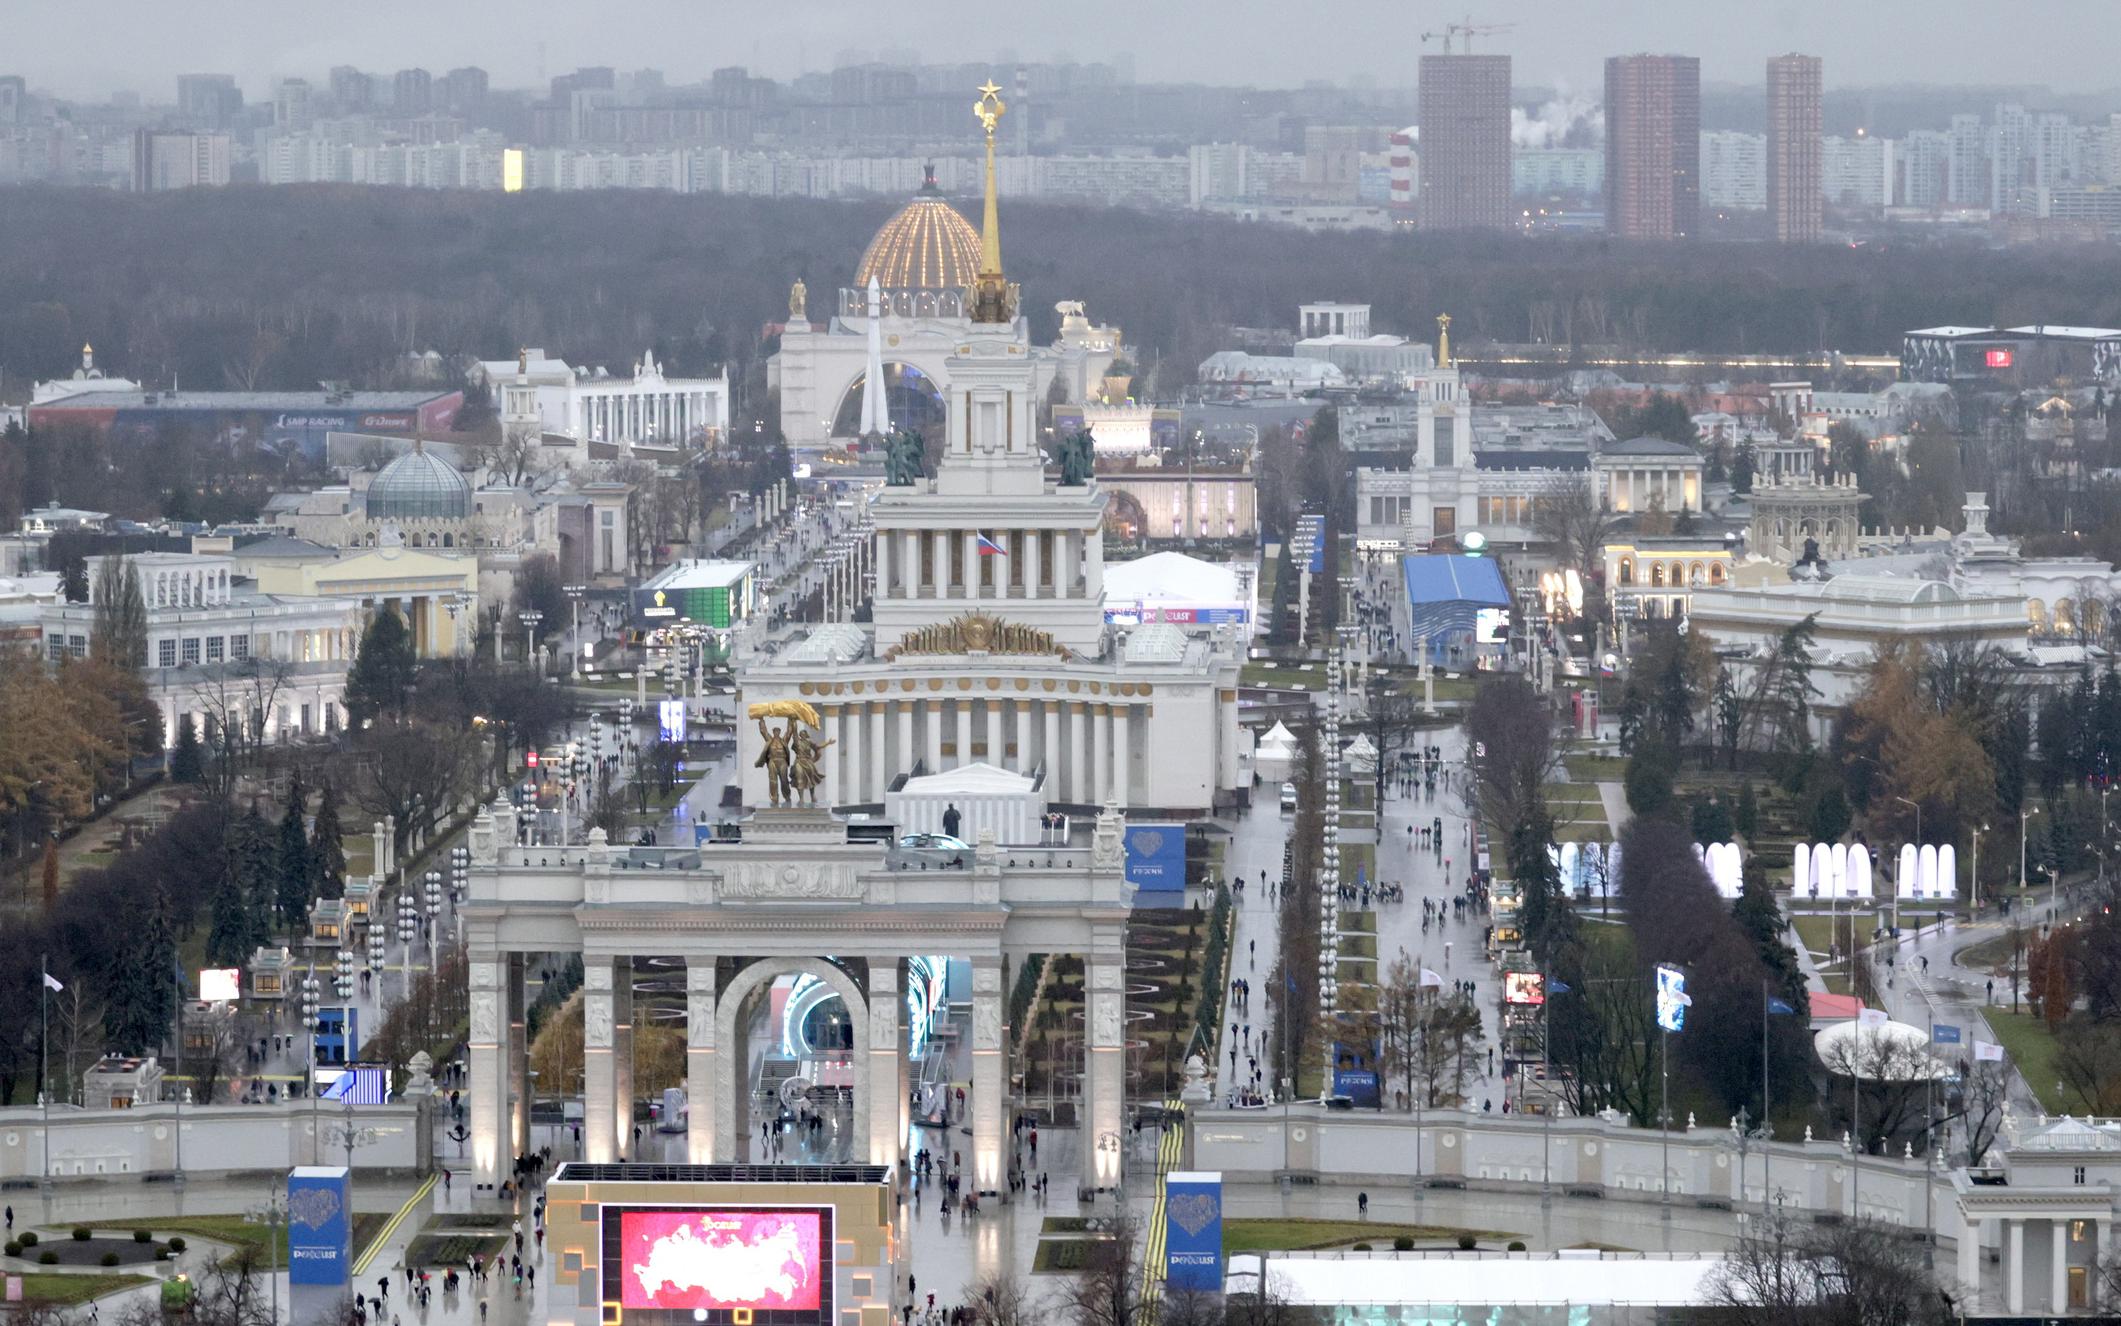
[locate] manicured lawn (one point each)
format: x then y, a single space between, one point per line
2032 1050
65 1291
1248 1235
1596 768
234 1229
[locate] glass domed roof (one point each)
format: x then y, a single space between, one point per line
928 245
419 486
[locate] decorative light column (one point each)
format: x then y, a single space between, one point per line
1329 873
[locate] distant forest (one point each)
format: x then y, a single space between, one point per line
285 287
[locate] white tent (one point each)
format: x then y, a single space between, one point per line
985 797
1896 1050
1172 587
1725 866
1361 756
1275 758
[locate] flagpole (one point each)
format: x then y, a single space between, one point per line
44 1059
1856 1133
1767 1130
177 968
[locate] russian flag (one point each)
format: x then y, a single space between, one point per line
989 548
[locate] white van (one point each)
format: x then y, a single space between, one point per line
1288 798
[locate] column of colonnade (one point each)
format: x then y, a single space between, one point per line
1088 746
947 564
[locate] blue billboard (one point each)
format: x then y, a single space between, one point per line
319 1227
1156 862
1360 1086
1193 1233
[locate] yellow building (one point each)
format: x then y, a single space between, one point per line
839 1262
437 593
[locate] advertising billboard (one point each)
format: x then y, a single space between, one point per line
1156 861
670 719
720 1265
1193 1234
1524 987
319 1227
220 985
1672 999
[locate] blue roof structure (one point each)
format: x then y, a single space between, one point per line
1445 594
1445 578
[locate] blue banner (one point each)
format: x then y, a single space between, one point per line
319 1227
1943 1033
1156 860
1193 1231
1359 1085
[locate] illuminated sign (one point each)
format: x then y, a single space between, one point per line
1524 987
670 719
319 1227
530 759
1999 358
1672 999
220 985
720 1265
511 170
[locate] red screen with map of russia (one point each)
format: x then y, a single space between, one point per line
720 1259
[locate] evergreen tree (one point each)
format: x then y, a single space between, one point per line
1730 713
1711 821
296 877
118 635
253 868
228 932
1758 914
1742 468
383 670
140 985
187 762
327 848
1746 819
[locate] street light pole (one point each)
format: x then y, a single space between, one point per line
1918 862
2024 818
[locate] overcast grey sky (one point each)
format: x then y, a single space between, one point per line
85 49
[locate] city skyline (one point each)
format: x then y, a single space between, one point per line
1961 43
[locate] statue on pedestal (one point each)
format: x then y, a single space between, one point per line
789 756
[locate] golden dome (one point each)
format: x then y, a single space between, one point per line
928 245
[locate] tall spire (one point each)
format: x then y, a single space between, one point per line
992 299
876 412
1443 340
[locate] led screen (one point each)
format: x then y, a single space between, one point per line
710 1259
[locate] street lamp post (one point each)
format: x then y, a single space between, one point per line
311 1003
1918 872
2024 818
530 617
1974 880
574 603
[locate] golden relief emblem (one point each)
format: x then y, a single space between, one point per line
981 633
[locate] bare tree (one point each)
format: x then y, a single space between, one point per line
238 699
413 772
1785 1272
1893 1079
1978 1106
1108 1291
1569 513
1003 1300
77 1029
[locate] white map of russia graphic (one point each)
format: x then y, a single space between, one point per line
770 1269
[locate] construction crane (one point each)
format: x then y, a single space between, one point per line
1465 32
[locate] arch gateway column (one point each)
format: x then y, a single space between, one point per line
731 1122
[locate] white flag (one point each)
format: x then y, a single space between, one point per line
1872 1017
1988 1052
1430 980
51 983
